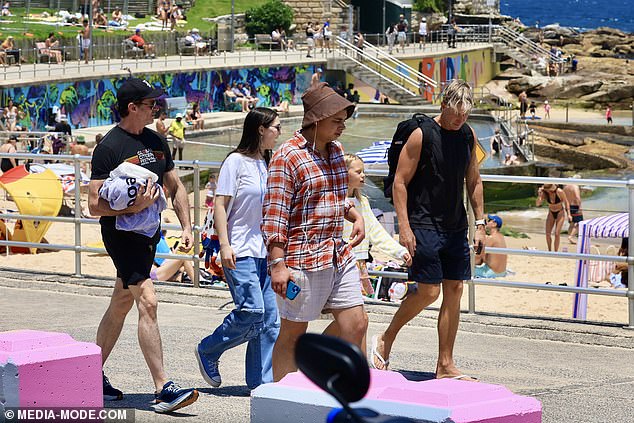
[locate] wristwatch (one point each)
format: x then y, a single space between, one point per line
479 222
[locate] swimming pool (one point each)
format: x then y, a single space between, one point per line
360 133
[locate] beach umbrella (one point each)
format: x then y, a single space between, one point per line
65 173
376 153
611 226
35 194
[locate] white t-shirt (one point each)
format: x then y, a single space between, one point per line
244 179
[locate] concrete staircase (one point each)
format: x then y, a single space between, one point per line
516 46
382 71
400 95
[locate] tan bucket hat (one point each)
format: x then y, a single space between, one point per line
321 102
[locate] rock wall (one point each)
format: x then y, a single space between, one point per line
319 11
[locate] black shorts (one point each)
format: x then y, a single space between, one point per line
131 253
577 216
440 255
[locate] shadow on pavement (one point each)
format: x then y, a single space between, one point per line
227 391
413 376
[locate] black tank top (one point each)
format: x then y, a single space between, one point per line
435 193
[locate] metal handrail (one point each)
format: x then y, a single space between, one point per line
511 37
359 51
399 63
197 166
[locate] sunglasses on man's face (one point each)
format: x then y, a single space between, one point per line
152 104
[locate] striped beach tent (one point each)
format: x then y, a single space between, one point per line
611 226
376 153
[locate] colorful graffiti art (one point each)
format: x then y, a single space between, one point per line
93 102
475 67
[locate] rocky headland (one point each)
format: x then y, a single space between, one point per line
605 73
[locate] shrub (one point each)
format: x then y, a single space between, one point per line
265 18
428 6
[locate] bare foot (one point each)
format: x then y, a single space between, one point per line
572 240
451 372
380 353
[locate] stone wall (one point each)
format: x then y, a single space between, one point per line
319 11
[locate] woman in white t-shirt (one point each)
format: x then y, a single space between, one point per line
238 214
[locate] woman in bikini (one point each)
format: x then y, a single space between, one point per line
558 209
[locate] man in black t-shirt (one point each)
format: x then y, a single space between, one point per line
133 253
432 221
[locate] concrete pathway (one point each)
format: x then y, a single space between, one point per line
580 372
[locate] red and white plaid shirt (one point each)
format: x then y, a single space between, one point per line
305 204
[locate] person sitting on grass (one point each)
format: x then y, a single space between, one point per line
117 16
100 19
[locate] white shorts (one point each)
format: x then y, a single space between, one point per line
85 43
323 290
310 42
178 143
402 36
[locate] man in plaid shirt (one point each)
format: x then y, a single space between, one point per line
304 208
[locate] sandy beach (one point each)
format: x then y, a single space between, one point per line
488 299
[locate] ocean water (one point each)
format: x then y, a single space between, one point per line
582 14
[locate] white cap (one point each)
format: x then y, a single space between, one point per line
546 102
195 30
179 115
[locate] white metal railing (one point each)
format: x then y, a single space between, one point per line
629 293
380 54
361 55
197 166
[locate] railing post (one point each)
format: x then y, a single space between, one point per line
196 229
77 221
471 234
630 259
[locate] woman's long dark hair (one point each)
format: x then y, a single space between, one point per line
250 141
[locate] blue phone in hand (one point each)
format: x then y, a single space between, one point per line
292 289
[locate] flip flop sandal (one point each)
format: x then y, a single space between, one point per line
375 355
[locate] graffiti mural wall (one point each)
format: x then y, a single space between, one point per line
475 67
93 102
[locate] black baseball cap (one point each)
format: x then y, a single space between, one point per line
134 90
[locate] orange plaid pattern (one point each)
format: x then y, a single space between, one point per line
305 204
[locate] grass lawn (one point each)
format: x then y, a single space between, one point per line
16 25
209 9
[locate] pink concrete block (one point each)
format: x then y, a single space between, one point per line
468 401
53 369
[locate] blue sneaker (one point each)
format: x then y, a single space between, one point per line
208 368
172 397
110 393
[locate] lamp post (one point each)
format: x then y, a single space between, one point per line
233 5
383 27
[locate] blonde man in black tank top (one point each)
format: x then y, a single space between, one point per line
433 224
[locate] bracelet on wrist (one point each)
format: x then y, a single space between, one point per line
480 222
275 261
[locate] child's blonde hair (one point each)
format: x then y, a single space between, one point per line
350 158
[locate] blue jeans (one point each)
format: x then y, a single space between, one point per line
254 320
